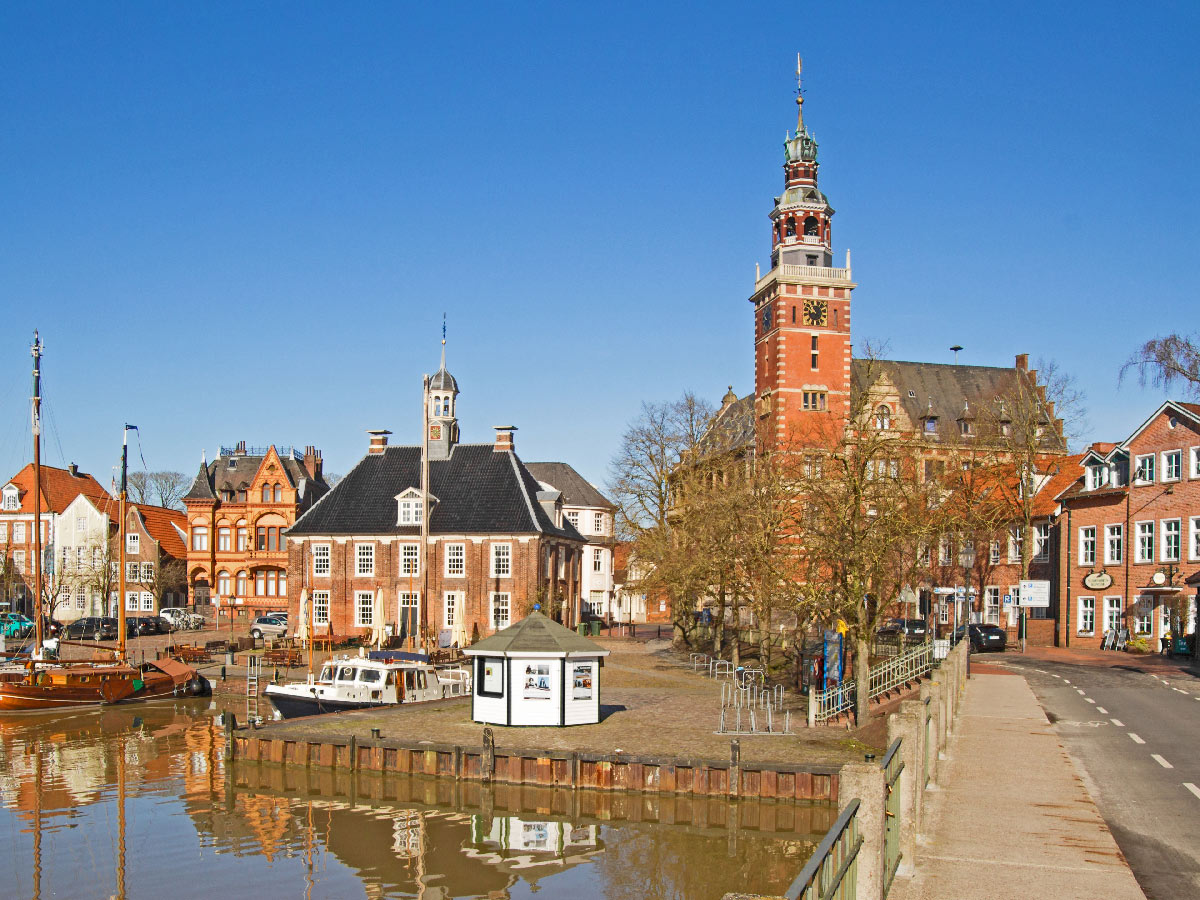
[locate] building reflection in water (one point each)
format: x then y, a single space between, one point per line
118 803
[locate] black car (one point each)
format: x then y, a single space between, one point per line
912 629
99 628
984 638
150 625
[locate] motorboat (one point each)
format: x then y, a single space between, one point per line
360 682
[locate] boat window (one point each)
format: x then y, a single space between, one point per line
346 673
369 674
421 680
409 679
326 675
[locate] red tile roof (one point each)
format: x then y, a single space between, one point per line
160 524
1069 472
59 488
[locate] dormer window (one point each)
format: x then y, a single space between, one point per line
931 424
1097 477
409 507
964 427
11 498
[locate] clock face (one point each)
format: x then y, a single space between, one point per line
766 319
816 312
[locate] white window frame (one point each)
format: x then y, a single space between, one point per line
1169 456
224 535
1143 616
456 560
1087 610
1114 539
200 538
322 560
994 552
1041 542
1097 476
320 607
410 511
19 532
501 556
147 601
1194 538
991 604
1087 545
132 601
573 518
364 561
1139 556
1108 608
147 574
1194 462
597 559
451 607
501 601
132 571
600 524
410 559
364 609
1171 528
12 500
1137 468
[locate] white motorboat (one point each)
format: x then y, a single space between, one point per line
359 683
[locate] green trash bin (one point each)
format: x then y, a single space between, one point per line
595 627
581 628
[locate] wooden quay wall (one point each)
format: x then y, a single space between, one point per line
545 768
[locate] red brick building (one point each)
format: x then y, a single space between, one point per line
238 508
496 540
155 558
1130 527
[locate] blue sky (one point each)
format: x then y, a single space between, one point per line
245 221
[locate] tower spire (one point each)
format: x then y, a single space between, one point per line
799 97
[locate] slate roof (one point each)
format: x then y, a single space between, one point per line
59 488
218 476
732 428
576 490
535 634
478 491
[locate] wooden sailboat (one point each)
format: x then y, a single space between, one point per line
51 685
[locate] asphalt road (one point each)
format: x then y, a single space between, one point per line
1137 738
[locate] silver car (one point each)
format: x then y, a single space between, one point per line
268 626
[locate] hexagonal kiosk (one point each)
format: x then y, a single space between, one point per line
536 672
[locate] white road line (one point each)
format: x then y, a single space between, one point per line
1066 681
1162 762
1090 700
1191 787
1166 683
1078 691
1181 690
1154 676
1117 722
1041 671
1135 738
1102 710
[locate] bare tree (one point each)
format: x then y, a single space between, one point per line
1168 361
158 488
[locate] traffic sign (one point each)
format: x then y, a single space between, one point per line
1035 594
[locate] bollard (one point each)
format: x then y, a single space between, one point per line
222 673
375 733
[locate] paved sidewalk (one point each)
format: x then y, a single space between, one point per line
1147 662
1011 817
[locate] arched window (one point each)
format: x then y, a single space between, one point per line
241 584
811 226
223 583
266 493
791 227
437 405
278 493
883 416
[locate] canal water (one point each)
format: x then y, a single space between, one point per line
137 802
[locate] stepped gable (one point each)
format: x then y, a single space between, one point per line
576 490
536 634
474 490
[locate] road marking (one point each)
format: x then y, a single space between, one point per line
1165 682
1162 762
1191 787
1181 690
1135 738
1066 681
1090 700
1117 722
1102 710
1041 671
1078 691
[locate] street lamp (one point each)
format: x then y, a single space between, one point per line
966 558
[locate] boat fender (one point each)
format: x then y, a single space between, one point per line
199 686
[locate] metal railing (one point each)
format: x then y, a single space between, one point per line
832 872
908 666
824 705
892 766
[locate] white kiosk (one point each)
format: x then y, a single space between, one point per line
536 672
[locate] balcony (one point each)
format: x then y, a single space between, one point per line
806 275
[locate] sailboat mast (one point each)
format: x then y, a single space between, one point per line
423 622
121 544
37 494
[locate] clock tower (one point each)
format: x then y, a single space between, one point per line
801 307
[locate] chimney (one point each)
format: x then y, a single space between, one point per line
74 470
378 440
504 438
240 449
1022 361
312 462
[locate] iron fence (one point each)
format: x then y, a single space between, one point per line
908 666
892 766
832 872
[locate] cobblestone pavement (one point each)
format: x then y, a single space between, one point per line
651 704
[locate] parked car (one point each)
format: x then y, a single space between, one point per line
150 625
180 618
51 627
99 628
268 626
15 625
984 638
912 629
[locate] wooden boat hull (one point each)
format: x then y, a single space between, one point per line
81 685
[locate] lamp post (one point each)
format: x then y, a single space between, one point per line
966 558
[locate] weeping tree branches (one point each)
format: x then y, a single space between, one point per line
1167 362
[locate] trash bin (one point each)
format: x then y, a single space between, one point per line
581 628
595 627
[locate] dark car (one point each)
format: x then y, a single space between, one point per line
984 638
912 629
99 628
150 625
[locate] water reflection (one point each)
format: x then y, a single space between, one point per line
125 804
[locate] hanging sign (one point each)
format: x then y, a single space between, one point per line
1097 581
